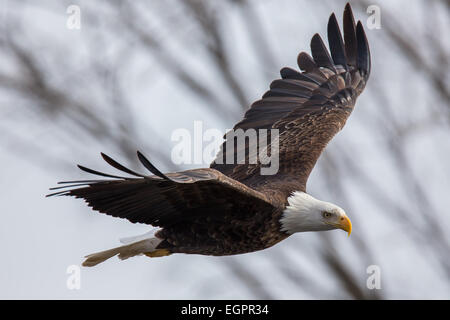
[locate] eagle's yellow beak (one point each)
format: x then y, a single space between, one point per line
345 224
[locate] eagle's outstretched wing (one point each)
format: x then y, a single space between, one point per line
163 199
308 108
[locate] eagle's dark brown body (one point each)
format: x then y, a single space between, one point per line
238 232
233 228
232 208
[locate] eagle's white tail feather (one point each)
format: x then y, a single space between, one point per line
124 252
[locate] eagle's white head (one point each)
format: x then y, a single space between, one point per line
306 213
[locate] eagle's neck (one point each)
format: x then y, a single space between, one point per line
303 213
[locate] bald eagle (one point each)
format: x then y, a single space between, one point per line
230 209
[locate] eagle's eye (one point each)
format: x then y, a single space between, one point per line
326 214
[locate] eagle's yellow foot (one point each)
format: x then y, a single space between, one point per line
158 253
